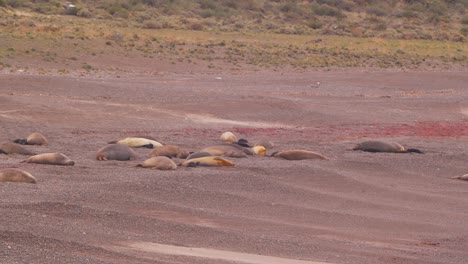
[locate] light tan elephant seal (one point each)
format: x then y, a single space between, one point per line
50 158
159 162
16 175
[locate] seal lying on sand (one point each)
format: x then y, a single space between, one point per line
380 146
159 162
200 154
228 150
170 151
298 154
138 142
259 150
463 177
12 148
207 161
16 175
50 158
228 137
33 139
115 152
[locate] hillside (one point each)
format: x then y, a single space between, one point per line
228 34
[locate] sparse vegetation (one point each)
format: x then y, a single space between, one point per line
239 33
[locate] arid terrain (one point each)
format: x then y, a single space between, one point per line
356 207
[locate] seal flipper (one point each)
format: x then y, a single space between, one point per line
414 150
21 141
2 151
150 146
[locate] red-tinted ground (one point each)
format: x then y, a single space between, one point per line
354 208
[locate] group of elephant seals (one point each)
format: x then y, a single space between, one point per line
380 146
115 152
33 139
13 148
50 158
138 142
298 154
170 151
207 161
16 175
159 162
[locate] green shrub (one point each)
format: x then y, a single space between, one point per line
464 31
464 21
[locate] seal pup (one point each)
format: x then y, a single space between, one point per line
137 142
380 146
463 177
16 175
228 137
207 161
115 152
228 150
159 162
50 158
33 139
11 148
170 151
298 154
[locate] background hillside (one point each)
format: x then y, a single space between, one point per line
176 35
408 19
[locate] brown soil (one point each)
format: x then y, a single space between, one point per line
356 207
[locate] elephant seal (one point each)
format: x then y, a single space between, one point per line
159 162
12 148
50 158
380 146
298 154
170 151
33 139
207 161
228 137
115 152
137 142
463 177
200 154
16 175
259 150
228 150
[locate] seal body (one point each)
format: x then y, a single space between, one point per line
159 162
138 142
16 175
200 154
115 152
298 154
463 177
33 139
228 137
228 150
380 146
259 150
207 161
12 148
50 158
170 151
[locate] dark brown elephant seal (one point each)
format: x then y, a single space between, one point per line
50 158
380 146
33 139
116 152
16 175
298 154
12 148
207 161
159 162
170 151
